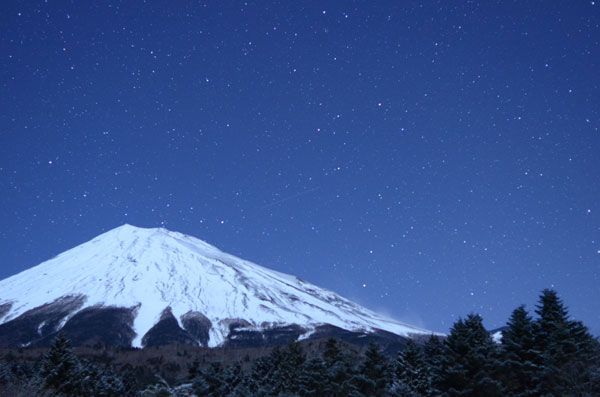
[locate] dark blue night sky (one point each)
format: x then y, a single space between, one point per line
426 159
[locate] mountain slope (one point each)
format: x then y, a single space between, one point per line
155 279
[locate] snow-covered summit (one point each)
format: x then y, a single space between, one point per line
154 270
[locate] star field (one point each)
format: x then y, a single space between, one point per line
425 159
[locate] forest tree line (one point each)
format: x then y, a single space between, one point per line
551 355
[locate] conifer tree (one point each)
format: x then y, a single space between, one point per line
373 375
14 371
470 360
194 369
240 390
232 377
6 375
131 383
566 347
277 373
433 353
163 389
60 370
286 374
520 361
312 380
260 380
210 382
584 371
412 371
94 381
339 369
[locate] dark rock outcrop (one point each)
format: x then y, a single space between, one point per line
4 308
197 325
32 327
106 326
167 331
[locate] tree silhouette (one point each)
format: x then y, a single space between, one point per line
470 360
60 369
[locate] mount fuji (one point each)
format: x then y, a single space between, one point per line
142 287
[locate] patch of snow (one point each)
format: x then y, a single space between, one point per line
497 337
307 334
39 328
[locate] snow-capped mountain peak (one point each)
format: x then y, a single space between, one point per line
157 273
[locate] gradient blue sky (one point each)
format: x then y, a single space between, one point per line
426 159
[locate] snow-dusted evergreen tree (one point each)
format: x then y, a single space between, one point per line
374 374
232 377
286 374
14 371
521 362
277 373
569 352
131 383
109 385
470 360
433 353
60 372
339 369
312 380
6 375
163 389
257 382
159 389
412 371
15 377
194 369
210 381
94 381
241 390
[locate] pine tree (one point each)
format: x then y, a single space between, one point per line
332 352
584 370
312 380
60 371
13 371
338 369
411 370
241 390
6 375
131 383
89 378
260 379
194 369
433 353
470 360
210 381
566 347
16 377
373 374
277 374
159 389
286 374
520 361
